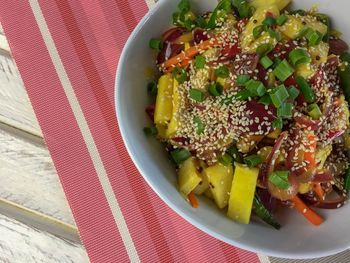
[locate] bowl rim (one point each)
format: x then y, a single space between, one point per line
196 223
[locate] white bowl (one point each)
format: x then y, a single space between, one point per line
297 238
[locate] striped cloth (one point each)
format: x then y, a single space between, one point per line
67 53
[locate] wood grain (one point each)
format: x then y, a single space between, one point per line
20 243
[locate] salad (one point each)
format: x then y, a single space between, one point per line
251 105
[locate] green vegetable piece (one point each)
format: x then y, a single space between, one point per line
281 20
200 125
150 131
223 7
152 88
196 95
299 56
264 214
345 57
155 43
243 95
222 72
242 79
293 92
344 75
306 89
215 89
180 74
266 100
264 49
280 179
347 181
200 62
277 124
253 160
274 34
269 21
266 62
283 70
242 8
225 159
314 37
235 154
279 95
314 111
256 88
180 155
200 22
257 31
325 20
285 111
300 12
184 6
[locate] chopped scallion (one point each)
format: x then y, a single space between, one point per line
274 34
253 160
180 74
222 72
266 62
152 88
236 155
225 159
269 21
266 100
199 124
293 93
281 20
257 31
305 88
150 131
215 89
256 88
155 44
242 80
180 155
196 95
279 95
283 70
243 95
277 124
280 179
200 62
299 56
285 111
314 111
264 49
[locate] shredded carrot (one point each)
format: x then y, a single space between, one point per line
309 155
306 211
189 53
318 190
193 200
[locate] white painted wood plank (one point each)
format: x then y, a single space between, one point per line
28 177
20 243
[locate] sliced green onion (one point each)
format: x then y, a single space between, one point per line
274 34
269 21
347 181
266 100
281 20
200 125
256 88
299 56
300 12
235 154
261 211
280 179
314 111
180 155
266 62
314 37
155 44
152 88
200 22
345 57
242 79
293 93
325 20
283 70
279 95
276 62
215 89
180 74
305 88
257 31
223 7
285 111
225 159
243 95
200 62
222 72
277 124
253 160
264 49
243 8
184 6
150 131
196 95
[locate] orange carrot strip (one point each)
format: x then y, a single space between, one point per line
318 190
190 53
307 212
310 155
193 200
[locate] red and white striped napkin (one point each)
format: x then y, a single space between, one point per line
67 53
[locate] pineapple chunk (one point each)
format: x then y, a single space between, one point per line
164 103
204 184
188 176
248 142
265 38
281 4
322 155
173 125
314 24
220 180
292 28
305 70
319 53
247 37
242 193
